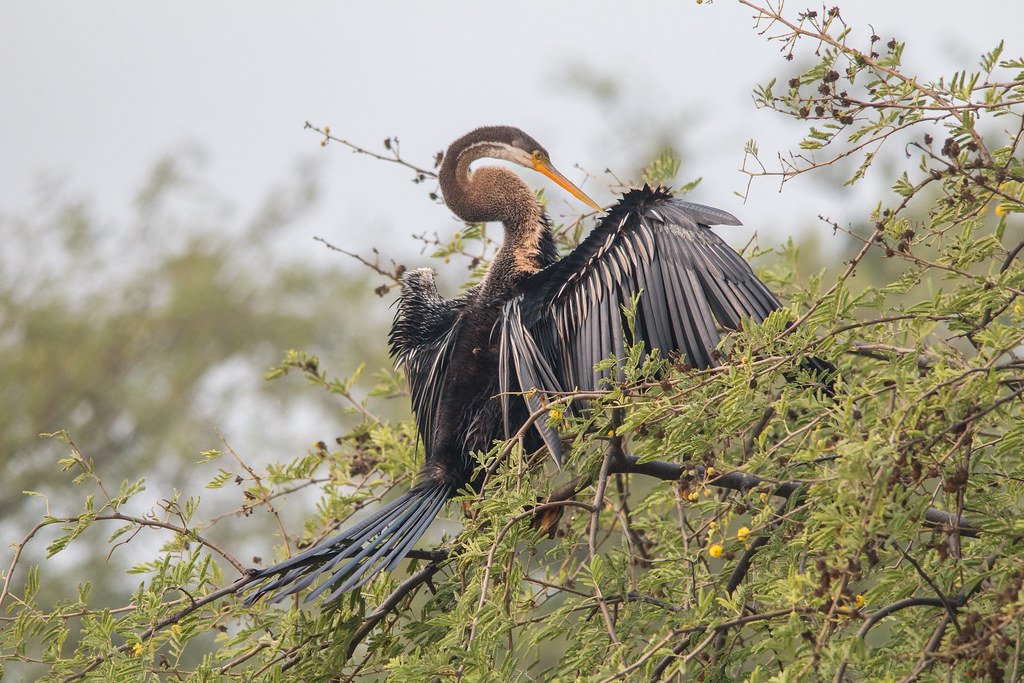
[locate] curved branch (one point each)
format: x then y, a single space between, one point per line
875 617
412 583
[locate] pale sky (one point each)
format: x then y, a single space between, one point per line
94 93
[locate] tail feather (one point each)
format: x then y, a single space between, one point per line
405 526
411 538
376 544
324 547
393 521
304 568
387 559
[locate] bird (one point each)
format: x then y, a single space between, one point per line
480 364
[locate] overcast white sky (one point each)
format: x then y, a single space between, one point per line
94 93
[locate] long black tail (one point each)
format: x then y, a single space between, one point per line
376 544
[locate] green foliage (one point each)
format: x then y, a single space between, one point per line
732 524
663 169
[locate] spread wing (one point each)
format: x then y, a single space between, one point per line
420 342
570 317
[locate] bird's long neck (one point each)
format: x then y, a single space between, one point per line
493 193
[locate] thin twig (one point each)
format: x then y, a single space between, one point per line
595 516
393 158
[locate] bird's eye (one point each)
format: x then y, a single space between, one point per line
538 156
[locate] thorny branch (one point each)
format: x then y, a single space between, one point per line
891 90
393 156
395 274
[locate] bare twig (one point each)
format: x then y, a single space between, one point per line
393 157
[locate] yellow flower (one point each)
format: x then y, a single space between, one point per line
715 550
323 143
764 497
176 629
611 432
1001 209
327 130
1017 308
693 495
859 600
712 525
456 234
555 414
137 649
710 471
743 533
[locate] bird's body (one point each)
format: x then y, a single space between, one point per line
467 417
481 364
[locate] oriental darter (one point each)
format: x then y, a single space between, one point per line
480 364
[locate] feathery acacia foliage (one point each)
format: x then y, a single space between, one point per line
723 524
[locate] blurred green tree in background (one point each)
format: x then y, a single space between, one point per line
144 340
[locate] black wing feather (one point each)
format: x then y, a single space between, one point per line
421 342
569 317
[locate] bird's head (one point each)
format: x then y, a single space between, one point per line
511 144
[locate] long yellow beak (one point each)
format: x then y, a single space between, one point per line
551 172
